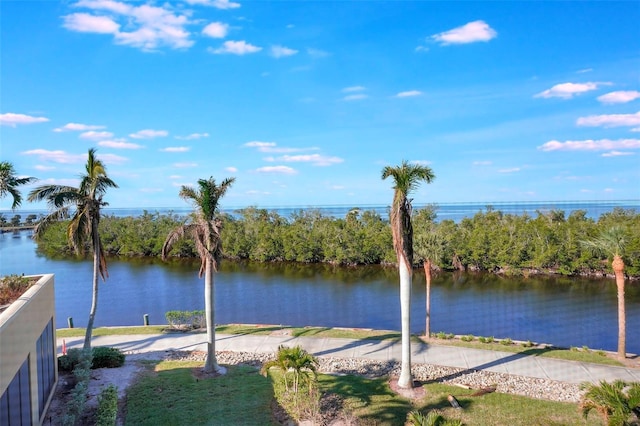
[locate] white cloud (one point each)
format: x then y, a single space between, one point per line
63 157
315 159
120 144
354 89
57 156
96 136
468 33
175 177
610 120
337 187
216 30
582 71
317 53
148 134
151 190
617 153
86 23
568 90
218 4
356 97
482 163
43 168
409 93
421 162
282 51
619 97
148 27
235 48
260 145
422 49
636 129
175 149
185 165
110 158
277 169
230 169
193 136
12 119
509 170
591 145
77 127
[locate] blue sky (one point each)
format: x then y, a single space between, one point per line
304 103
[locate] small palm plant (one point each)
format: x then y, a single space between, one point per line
295 362
432 418
618 403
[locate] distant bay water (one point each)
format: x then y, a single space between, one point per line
453 211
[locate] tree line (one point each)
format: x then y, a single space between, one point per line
488 241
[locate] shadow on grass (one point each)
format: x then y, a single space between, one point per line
248 330
368 399
173 394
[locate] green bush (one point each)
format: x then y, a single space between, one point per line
106 357
506 342
468 338
107 406
69 361
102 357
185 320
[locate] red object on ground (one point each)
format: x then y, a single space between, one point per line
64 347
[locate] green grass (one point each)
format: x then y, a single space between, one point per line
111 331
349 333
169 394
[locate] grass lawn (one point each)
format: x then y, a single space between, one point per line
348 333
170 394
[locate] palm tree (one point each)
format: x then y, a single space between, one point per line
9 183
294 360
430 247
83 226
406 177
205 232
612 242
616 402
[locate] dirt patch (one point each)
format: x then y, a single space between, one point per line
416 393
121 378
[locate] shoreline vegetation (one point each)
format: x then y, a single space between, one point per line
490 241
583 354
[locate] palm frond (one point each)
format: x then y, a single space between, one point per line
173 237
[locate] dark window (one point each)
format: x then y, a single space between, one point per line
15 404
46 353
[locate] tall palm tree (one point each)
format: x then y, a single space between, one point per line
9 183
406 177
429 247
612 242
205 232
87 199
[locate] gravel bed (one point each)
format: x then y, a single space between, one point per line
475 379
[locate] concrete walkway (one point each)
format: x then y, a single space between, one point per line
423 353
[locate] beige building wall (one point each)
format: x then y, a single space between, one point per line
21 325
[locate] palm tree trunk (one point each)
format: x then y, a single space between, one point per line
427 274
618 269
405 380
94 292
210 364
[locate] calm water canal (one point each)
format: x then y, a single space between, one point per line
562 311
